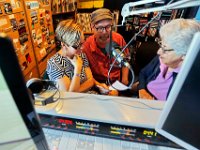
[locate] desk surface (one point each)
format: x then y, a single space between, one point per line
109 109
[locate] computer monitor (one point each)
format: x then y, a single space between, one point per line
180 119
19 127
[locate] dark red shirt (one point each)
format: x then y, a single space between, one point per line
100 62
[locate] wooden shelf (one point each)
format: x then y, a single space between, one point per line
60 13
88 32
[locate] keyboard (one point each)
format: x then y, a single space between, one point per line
63 140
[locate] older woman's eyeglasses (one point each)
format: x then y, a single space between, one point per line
159 41
106 28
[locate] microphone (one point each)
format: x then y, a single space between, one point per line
116 53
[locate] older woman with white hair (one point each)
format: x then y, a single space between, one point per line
157 78
69 67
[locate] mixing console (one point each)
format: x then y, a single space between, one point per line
107 130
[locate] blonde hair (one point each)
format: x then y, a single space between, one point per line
178 33
69 32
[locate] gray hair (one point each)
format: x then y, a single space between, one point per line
178 33
69 32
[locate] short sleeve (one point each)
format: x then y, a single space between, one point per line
54 71
85 60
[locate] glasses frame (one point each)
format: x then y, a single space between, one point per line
107 28
159 41
74 46
77 47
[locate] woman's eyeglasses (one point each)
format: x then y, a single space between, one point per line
106 28
158 40
77 46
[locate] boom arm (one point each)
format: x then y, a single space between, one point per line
129 8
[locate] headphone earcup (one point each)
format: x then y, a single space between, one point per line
35 85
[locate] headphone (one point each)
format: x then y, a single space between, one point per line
37 86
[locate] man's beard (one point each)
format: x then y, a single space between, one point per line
103 39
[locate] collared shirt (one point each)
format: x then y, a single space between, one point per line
100 62
160 86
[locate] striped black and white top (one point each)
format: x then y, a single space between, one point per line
59 66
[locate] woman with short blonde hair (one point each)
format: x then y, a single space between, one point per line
69 67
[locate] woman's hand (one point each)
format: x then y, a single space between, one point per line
77 63
145 95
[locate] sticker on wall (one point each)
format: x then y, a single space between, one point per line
16 45
42 15
1 11
32 5
23 48
34 35
43 52
23 36
18 4
39 38
28 58
41 20
34 18
48 37
3 22
13 23
15 4
7 8
48 17
24 65
43 29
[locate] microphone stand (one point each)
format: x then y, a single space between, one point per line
123 49
111 66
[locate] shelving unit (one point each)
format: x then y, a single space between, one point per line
29 24
41 29
13 22
78 10
62 10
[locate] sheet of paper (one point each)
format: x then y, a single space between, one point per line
118 85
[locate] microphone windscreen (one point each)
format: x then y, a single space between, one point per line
113 46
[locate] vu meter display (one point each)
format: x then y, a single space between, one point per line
108 130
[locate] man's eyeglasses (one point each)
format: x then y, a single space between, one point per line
161 46
106 28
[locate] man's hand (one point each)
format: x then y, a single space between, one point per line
145 95
125 81
125 74
103 88
113 93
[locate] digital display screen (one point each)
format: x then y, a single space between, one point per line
11 120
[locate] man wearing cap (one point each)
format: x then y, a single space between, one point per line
94 47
